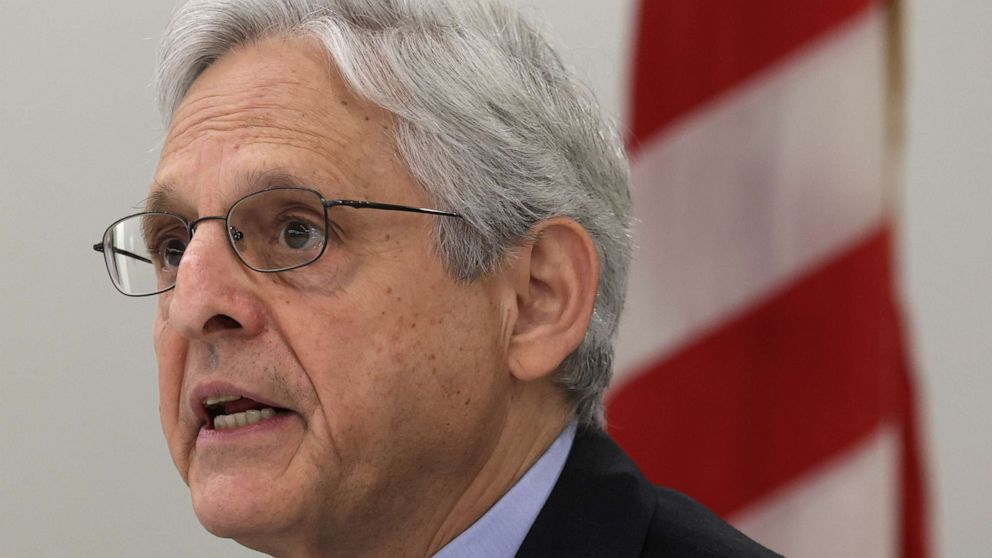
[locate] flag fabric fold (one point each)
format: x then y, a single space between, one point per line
761 365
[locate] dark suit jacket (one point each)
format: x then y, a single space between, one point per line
603 507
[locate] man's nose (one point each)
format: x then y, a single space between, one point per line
213 295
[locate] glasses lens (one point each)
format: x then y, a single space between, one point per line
143 252
278 229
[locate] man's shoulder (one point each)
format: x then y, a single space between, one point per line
682 526
603 506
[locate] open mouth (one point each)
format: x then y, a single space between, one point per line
233 411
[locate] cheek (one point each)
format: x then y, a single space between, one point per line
170 352
376 359
439 355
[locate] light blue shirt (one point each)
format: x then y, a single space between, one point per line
500 532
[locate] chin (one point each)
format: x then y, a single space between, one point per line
249 512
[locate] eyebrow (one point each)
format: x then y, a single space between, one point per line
161 199
163 196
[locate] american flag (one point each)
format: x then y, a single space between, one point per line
761 365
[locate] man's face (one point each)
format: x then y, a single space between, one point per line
389 378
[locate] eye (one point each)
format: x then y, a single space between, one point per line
301 236
170 252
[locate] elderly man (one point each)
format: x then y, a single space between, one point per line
389 243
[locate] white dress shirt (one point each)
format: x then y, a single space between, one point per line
500 532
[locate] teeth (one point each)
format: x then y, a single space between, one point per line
225 422
221 399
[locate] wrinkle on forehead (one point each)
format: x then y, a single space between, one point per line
255 98
251 101
282 99
247 118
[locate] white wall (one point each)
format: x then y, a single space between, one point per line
83 467
948 257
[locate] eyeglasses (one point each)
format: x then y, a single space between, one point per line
273 230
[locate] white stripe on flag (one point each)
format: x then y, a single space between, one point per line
847 507
755 189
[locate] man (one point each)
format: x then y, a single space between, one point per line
389 243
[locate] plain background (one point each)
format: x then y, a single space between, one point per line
83 467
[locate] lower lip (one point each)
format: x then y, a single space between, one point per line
277 424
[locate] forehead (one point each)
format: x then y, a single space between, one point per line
277 108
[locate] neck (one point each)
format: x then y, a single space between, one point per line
522 442
421 524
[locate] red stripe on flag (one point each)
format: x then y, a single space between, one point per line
772 393
690 51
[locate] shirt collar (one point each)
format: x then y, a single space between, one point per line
500 532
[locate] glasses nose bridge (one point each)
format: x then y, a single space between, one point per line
229 232
196 223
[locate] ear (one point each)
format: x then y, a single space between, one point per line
555 279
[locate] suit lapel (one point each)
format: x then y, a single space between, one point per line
600 506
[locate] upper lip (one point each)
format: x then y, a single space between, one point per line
217 389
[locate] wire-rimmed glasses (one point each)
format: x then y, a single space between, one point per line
273 230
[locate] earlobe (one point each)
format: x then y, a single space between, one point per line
556 278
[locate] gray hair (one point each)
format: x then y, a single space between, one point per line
488 121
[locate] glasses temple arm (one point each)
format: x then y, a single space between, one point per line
360 204
100 248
